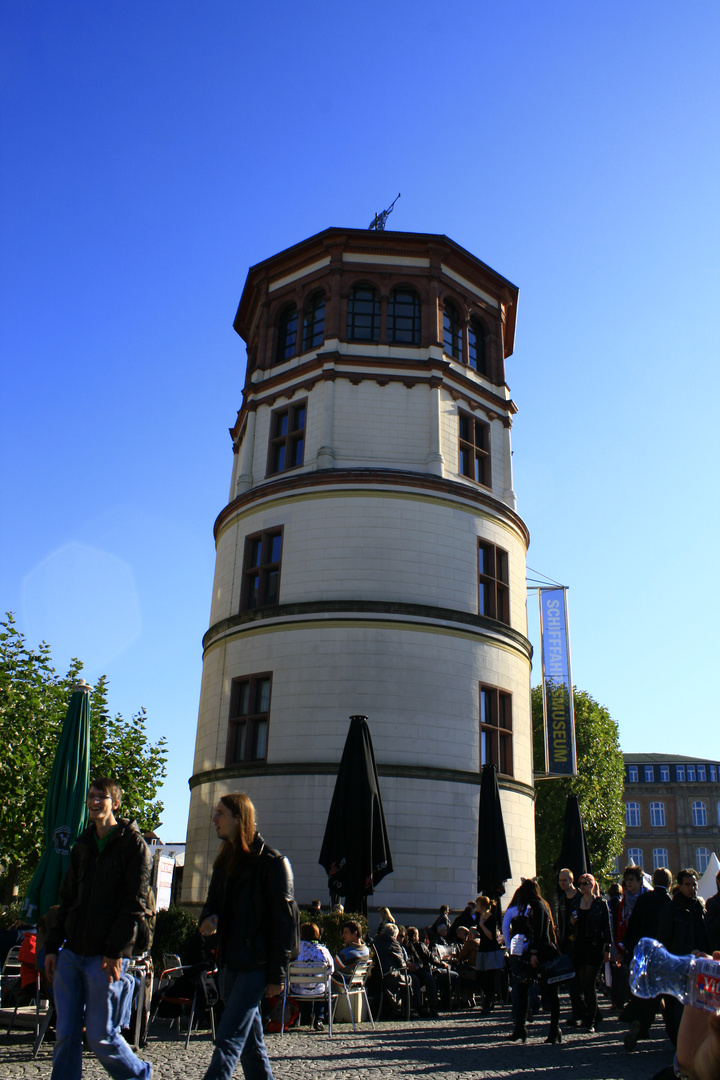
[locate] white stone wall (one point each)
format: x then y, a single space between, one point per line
389 546
432 831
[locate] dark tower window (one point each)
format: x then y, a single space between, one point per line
261 569
403 317
476 347
474 449
496 729
452 331
363 314
249 718
287 334
493 587
287 438
314 322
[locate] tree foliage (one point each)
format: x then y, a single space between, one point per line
598 786
33 704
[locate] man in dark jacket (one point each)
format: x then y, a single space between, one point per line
103 899
712 916
251 907
681 928
645 922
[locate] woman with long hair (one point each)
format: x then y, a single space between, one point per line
538 928
250 906
593 942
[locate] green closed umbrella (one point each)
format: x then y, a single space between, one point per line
65 813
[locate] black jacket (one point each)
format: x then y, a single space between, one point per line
645 918
712 921
255 910
103 894
681 927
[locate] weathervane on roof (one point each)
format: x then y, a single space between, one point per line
378 222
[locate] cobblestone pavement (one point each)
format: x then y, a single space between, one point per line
457 1045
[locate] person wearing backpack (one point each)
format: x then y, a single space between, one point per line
251 907
102 915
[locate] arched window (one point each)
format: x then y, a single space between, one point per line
452 331
699 813
657 814
403 317
476 347
660 857
314 322
287 334
718 813
363 314
632 816
702 858
635 856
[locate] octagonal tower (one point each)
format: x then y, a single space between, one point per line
370 560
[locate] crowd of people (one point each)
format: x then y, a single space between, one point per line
527 956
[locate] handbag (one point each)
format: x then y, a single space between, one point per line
559 969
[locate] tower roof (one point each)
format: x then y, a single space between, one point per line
385 248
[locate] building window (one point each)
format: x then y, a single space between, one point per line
691 774
664 773
493 589
452 331
680 774
718 813
713 774
496 729
632 816
632 774
314 322
649 774
474 449
287 438
635 857
476 347
363 314
261 569
702 858
699 814
249 716
287 334
657 815
701 775
403 317
660 858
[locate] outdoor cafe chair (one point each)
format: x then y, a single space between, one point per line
315 979
351 987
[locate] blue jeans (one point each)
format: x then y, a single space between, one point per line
240 1032
84 997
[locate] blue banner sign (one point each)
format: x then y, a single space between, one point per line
558 706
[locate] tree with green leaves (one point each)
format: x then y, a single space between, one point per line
33 703
598 786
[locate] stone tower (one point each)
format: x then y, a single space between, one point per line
370 560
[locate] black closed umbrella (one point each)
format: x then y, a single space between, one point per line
493 860
574 854
355 850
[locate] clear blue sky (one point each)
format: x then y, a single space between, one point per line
151 153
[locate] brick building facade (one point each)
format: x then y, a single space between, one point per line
672 811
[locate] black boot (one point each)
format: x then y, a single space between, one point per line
554 1034
519 1033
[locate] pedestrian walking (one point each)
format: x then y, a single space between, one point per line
103 900
251 907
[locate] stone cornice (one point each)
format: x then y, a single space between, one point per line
330 768
424 613
371 479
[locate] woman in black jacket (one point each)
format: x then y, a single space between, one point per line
251 907
593 942
535 921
